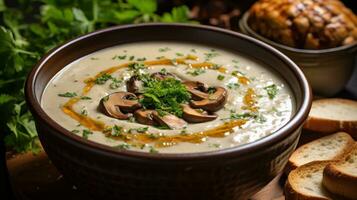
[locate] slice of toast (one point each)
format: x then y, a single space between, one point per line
341 177
305 183
333 115
330 147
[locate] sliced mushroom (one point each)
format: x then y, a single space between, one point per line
194 116
197 89
163 75
214 102
119 104
169 120
134 85
145 117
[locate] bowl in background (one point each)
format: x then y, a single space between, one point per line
105 172
327 70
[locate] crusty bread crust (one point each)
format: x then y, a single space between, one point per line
292 164
291 190
338 182
326 126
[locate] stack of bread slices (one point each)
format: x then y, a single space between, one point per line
326 168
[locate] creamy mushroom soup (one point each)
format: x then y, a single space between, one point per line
168 97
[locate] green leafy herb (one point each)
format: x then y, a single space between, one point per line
209 56
68 94
179 54
272 91
196 72
75 131
102 79
86 133
165 95
233 86
33 27
141 59
85 98
164 49
117 131
153 150
115 83
84 112
214 145
220 77
123 146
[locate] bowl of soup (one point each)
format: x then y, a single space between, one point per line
168 111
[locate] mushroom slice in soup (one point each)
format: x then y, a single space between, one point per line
145 117
215 100
194 116
119 104
170 120
197 89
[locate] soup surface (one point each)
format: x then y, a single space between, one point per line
257 101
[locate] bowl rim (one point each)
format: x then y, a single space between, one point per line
244 26
292 125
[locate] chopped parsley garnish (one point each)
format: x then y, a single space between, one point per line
164 49
68 94
153 150
220 77
242 116
86 133
153 136
84 112
179 54
260 119
75 131
102 79
131 58
115 83
117 130
193 50
136 66
196 72
85 98
238 73
94 58
121 57
233 86
142 129
209 56
235 61
272 91
123 146
141 59
164 95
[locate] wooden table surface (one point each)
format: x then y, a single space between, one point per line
33 177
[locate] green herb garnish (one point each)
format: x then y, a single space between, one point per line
209 56
196 72
117 131
220 77
123 146
179 54
68 94
86 133
165 95
85 98
102 79
164 49
272 91
233 86
153 150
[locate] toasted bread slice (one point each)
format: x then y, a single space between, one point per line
333 115
341 177
330 147
305 182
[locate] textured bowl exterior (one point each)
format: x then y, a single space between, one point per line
104 172
327 71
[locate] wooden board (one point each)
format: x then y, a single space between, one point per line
33 177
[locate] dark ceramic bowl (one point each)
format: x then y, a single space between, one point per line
104 172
